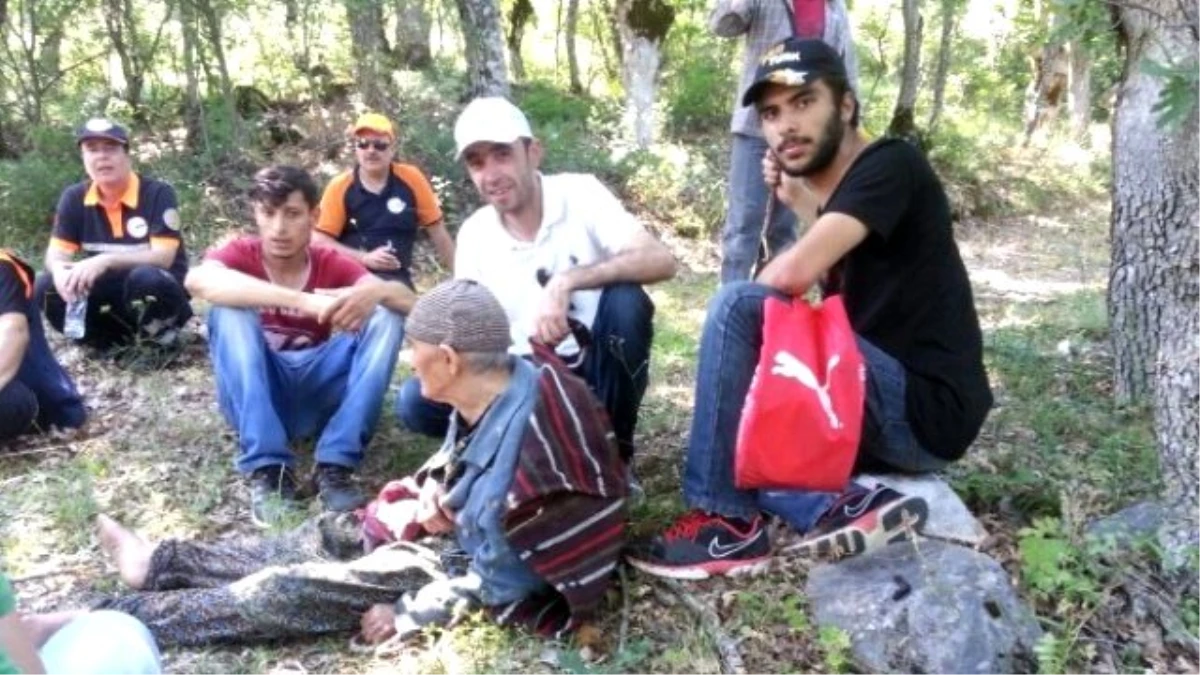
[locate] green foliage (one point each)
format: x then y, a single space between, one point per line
835 648
29 190
625 660
698 83
1181 85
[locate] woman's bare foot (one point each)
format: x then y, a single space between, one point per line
42 626
128 550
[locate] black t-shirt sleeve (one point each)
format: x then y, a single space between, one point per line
164 213
12 290
877 189
68 217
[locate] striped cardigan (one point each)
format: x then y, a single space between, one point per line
566 504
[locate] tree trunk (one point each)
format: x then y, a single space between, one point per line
1153 288
411 39
1080 94
212 22
644 25
365 18
193 111
949 22
487 73
1049 88
522 12
903 122
572 58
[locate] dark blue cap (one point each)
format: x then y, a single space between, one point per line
102 128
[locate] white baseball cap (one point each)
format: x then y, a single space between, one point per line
491 119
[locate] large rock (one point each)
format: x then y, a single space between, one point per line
929 607
1129 525
949 518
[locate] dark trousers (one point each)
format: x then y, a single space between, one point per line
42 394
616 367
123 303
308 581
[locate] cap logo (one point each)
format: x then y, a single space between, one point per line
98 125
778 58
788 78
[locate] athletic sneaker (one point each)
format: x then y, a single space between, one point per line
272 494
862 520
701 544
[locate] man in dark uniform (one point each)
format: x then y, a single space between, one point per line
374 211
127 228
35 392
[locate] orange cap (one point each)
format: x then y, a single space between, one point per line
373 122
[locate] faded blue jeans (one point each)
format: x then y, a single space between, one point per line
729 350
747 207
272 398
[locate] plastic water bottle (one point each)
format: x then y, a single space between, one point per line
75 324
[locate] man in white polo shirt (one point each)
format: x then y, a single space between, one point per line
565 259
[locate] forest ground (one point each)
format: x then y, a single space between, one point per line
1054 454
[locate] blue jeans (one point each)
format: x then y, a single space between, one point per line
102 642
747 207
42 394
729 351
335 389
616 368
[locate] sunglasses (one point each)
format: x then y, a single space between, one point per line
363 144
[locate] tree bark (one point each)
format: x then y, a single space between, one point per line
1153 286
211 20
483 42
644 25
518 19
572 57
365 18
903 122
193 111
949 22
411 38
1080 94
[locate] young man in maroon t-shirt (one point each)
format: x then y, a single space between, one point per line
303 342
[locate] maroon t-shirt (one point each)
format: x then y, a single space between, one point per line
286 328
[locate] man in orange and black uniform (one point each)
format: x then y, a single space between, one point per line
374 211
35 391
127 228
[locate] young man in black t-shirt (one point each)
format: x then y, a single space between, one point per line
125 227
883 240
35 392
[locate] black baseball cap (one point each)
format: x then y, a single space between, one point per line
102 128
794 62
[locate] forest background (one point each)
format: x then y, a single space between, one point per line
1065 132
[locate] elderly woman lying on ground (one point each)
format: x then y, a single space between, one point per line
528 480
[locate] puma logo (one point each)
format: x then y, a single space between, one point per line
788 365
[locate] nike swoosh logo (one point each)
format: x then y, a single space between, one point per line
717 550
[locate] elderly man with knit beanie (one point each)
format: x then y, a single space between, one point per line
533 544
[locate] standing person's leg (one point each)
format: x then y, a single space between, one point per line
18 409
102 643
748 194
245 373
419 414
155 302
617 365
59 402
